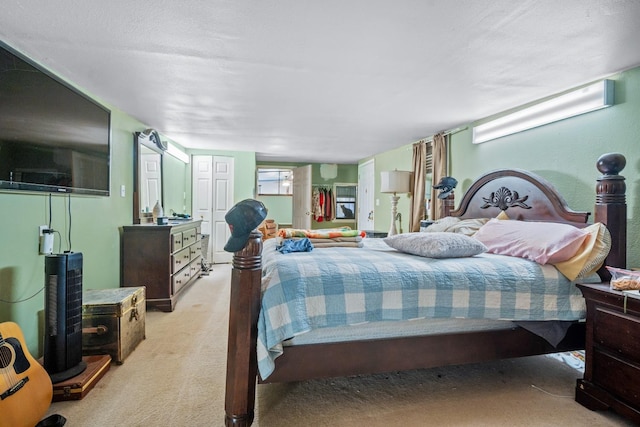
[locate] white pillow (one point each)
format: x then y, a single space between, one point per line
436 244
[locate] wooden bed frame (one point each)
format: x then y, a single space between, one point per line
522 195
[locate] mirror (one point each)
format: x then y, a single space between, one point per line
147 176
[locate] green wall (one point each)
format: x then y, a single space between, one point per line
400 159
94 230
281 207
346 174
564 153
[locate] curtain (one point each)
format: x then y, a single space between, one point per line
440 161
417 209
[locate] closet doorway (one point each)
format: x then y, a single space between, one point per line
212 182
366 194
302 197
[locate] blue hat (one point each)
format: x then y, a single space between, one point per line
446 186
243 218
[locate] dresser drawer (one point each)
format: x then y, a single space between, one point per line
195 266
195 250
617 331
176 242
181 259
617 376
180 279
189 237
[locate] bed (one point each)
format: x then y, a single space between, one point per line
519 194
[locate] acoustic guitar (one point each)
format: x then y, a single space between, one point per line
25 386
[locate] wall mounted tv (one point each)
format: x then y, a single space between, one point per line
52 137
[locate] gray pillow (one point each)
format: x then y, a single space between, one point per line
436 245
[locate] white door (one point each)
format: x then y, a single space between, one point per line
150 181
366 195
222 202
302 197
212 198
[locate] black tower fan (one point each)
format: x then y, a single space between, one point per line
63 316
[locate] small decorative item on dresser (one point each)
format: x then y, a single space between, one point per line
157 211
624 280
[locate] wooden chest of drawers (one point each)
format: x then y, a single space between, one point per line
166 259
612 352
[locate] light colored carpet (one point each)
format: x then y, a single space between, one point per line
176 378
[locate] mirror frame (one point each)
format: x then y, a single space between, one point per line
151 140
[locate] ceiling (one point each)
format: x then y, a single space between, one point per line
327 81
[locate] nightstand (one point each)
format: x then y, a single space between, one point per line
612 352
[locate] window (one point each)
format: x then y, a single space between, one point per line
275 181
429 158
345 201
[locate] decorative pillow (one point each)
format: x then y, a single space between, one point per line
442 224
436 244
452 224
590 255
468 227
542 242
503 215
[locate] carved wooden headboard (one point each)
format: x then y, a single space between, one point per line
521 194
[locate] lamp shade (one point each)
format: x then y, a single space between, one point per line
395 181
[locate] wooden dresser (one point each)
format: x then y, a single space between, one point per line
166 259
612 352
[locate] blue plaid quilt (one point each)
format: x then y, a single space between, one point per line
345 286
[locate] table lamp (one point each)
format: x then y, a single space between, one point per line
395 182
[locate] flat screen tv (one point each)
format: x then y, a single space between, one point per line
53 138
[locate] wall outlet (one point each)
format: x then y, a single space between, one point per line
123 190
42 229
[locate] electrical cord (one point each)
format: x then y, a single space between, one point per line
550 394
22 300
69 232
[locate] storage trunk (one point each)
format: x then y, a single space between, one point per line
113 321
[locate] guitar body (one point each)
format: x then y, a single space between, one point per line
25 386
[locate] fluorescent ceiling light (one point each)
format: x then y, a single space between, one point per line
589 98
177 153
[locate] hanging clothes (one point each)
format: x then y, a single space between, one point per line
328 212
316 209
321 216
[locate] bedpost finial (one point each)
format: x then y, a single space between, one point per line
611 163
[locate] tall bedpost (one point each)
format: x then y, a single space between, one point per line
242 362
611 207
